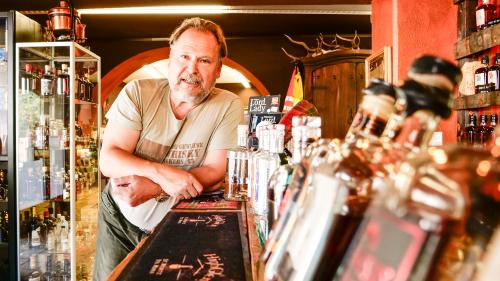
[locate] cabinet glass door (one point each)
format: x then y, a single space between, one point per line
4 219
58 117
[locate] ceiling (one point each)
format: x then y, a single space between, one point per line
254 34
307 17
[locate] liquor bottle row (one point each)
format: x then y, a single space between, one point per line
486 77
487 13
382 205
51 81
48 233
39 182
481 135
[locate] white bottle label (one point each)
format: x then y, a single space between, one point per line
480 17
493 79
35 238
480 79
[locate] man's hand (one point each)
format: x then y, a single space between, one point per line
177 182
134 190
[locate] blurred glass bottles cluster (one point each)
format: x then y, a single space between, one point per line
382 204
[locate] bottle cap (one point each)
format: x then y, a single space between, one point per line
435 66
379 87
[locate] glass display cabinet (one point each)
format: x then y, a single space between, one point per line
58 116
4 226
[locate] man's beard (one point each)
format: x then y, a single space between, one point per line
190 97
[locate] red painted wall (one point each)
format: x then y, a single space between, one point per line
414 28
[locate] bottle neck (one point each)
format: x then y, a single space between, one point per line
372 116
276 139
303 136
418 129
242 139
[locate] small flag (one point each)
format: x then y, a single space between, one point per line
295 92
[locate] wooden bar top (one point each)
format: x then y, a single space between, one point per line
195 211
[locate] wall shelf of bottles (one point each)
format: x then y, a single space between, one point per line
477 101
58 117
478 41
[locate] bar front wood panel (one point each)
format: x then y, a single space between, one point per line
333 83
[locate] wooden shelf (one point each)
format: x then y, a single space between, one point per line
477 101
478 41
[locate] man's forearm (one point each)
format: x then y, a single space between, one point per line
207 176
117 163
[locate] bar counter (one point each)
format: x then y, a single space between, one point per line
205 238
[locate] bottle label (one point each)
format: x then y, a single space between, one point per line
386 247
480 80
46 86
480 17
311 228
493 80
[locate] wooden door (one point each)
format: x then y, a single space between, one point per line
335 94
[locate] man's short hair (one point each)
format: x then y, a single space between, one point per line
205 26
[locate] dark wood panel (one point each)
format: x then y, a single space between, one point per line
477 101
478 41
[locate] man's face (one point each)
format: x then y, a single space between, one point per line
193 66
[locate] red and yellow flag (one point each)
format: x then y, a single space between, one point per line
295 92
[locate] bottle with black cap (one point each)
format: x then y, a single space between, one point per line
343 191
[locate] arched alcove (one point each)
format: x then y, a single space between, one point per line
114 78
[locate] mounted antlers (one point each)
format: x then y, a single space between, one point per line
320 41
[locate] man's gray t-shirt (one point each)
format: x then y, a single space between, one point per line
144 105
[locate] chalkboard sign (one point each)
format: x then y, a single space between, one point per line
264 104
193 246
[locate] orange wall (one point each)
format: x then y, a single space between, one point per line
413 28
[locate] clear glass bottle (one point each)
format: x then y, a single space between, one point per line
262 133
305 130
253 151
266 164
237 168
